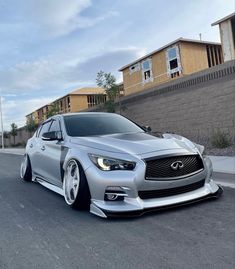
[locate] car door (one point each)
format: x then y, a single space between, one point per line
37 149
51 155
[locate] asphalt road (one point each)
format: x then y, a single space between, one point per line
38 230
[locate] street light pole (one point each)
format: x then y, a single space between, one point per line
1 122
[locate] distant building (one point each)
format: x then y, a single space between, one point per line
227 36
74 101
120 89
80 99
176 59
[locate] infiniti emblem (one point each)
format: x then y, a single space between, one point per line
177 165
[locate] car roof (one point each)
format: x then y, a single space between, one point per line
86 113
77 113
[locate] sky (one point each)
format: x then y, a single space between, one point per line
51 47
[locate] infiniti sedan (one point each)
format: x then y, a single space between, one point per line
114 167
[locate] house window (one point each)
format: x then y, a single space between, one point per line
214 55
134 68
68 101
96 99
147 74
173 62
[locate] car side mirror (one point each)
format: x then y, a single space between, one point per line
147 129
52 136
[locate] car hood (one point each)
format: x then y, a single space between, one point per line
135 143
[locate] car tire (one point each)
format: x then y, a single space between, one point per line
25 169
75 186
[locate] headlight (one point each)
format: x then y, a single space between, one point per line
200 148
109 164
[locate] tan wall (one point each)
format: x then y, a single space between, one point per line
33 115
78 102
133 82
193 57
65 108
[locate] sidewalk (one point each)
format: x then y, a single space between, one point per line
223 164
17 151
224 170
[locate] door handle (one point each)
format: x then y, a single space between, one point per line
43 148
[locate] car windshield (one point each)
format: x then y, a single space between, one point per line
99 124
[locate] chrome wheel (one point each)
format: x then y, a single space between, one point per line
24 166
71 182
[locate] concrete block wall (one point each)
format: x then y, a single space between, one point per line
21 138
194 106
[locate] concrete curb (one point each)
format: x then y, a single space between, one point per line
225 179
13 151
223 164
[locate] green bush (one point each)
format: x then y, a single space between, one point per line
220 139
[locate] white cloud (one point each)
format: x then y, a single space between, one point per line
16 110
24 76
55 17
60 17
45 74
84 22
48 18
53 75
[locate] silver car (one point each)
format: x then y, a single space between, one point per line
113 167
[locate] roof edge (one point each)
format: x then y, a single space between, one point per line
181 39
223 19
66 95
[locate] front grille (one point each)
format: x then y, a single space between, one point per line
161 168
170 192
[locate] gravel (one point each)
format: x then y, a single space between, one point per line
229 151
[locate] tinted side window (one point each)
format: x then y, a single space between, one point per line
45 128
38 130
55 126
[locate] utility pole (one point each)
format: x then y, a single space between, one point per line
1 122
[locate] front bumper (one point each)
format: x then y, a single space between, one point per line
132 182
137 207
138 213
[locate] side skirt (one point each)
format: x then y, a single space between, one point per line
50 186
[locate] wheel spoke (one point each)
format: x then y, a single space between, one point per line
23 166
71 182
69 170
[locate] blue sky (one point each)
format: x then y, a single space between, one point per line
50 47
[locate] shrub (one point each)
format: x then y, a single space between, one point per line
220 139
